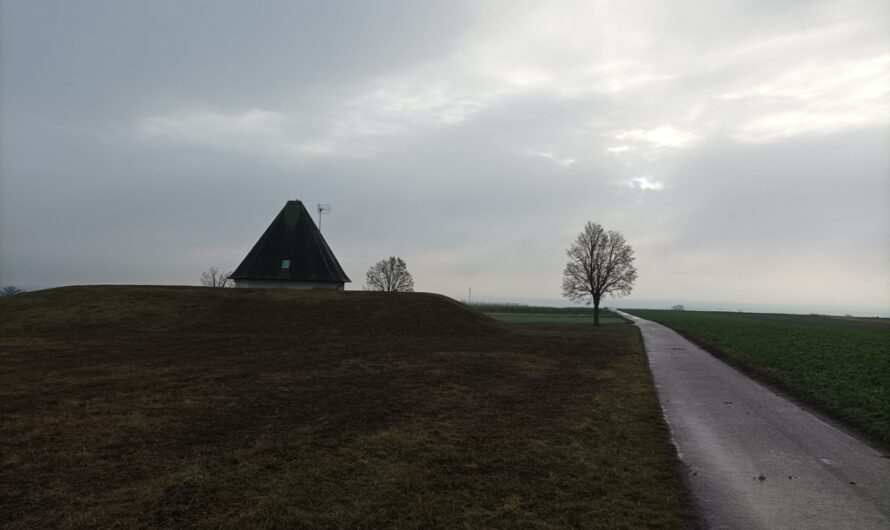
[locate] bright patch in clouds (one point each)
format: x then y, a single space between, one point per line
646 183
619 149
564 162
816 99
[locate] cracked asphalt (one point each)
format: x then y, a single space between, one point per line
754 459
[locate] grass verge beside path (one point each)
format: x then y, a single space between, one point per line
322 410
521 314
838 364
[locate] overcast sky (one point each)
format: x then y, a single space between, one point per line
742 148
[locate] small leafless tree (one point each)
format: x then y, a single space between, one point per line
10 290
600 263
215 278
678 307
390 275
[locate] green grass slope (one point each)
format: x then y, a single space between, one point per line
840 365
526 314
156 407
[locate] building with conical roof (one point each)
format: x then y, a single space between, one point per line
291 254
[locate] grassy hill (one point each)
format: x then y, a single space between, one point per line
146 407
152 309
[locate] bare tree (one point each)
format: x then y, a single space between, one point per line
214 278
678 307
391 275
600 263
10 290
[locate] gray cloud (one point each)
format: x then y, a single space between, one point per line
741 148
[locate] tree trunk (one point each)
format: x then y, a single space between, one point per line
596 311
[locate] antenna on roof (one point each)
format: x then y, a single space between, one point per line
323 209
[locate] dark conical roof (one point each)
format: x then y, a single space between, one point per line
291 239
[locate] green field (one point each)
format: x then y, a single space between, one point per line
176 407
523 314
839 364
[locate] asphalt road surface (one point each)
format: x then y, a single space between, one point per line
755 459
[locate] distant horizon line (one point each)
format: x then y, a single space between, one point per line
705 305
627 303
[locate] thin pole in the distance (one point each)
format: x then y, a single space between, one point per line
323 209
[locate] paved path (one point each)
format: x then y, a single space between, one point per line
755 459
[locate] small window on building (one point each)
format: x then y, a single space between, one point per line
285 264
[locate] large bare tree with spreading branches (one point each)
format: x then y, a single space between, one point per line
390 275
600 263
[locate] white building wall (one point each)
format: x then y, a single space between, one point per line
283 284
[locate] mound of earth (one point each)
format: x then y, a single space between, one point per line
124 309
181 407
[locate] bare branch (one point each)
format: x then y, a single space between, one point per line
215 278
10 290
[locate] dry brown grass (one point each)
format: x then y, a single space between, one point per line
181 407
